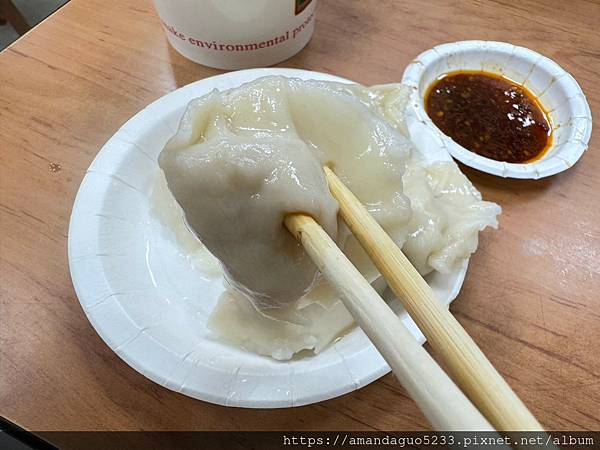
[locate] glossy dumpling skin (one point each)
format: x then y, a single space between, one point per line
235 190
447 215
244 158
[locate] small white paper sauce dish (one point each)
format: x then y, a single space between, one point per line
555 89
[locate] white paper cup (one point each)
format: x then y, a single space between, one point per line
237 34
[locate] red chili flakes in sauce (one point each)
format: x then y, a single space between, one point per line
489 115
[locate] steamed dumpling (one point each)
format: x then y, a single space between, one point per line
235 190
447 215
243 159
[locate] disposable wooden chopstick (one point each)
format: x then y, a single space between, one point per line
442 402
466 362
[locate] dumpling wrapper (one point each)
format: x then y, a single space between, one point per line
235 192
433 211
447 215
243 159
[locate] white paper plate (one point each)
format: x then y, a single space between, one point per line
556 89
151 307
